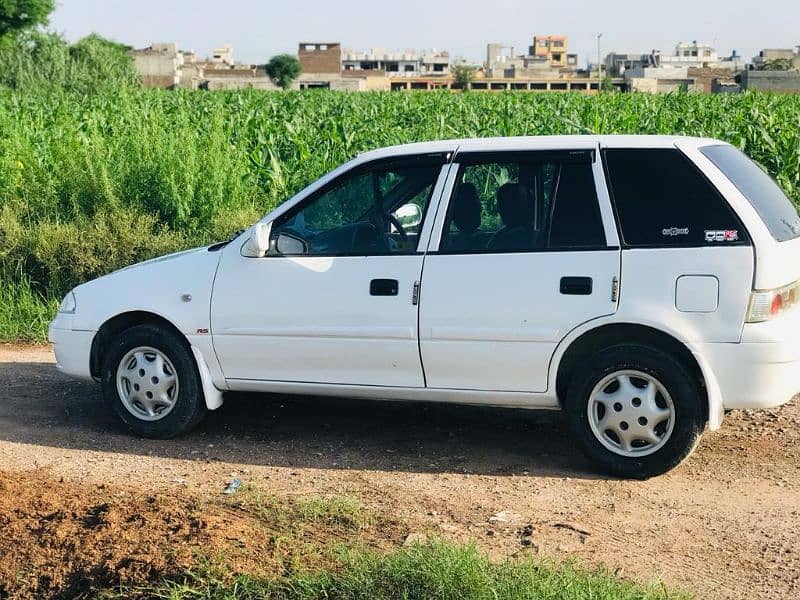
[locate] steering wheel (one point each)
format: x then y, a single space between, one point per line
396 223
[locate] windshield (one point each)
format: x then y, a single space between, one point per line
771 203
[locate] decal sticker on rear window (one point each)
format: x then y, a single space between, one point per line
675 231
722 235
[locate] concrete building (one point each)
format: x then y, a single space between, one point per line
409 63
697 55
766 56
502 62
548 56
220 76
222 55
159 65
771 81
555 49
617 64
320 57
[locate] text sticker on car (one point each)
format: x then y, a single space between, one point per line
722 235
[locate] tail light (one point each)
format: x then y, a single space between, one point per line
768 304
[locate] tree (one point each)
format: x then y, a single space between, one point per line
18 15
283 70
463 75
779 64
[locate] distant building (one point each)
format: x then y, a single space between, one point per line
771 81
159 65
409 63
767 55
617 64
548 56
320 57
697 55
555 49
223 55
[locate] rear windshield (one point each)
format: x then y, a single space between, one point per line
771 203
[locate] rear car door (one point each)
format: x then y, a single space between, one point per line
524 252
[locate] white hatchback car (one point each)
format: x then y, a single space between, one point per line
642 284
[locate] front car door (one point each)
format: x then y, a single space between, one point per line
333 301
525 252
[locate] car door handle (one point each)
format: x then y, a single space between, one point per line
383 287
576 286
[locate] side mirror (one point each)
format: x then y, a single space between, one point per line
289 245
257 244
409 215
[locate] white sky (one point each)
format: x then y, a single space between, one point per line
260 29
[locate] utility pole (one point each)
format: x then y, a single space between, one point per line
599 68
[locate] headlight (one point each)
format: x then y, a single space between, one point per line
68 304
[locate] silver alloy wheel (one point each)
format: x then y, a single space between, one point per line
631 413
147 383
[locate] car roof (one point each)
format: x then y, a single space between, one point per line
544 142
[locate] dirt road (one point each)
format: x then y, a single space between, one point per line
724 525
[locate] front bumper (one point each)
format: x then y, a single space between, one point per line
763 370
72 348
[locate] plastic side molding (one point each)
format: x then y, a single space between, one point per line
212 395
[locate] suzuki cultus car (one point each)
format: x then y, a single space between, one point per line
644 285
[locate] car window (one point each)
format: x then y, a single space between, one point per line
370 211
662 199
525 204
771 203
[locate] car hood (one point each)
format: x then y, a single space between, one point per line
159 259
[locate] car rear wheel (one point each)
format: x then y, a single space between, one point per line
635 411
150 381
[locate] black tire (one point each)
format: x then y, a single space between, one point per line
684 389
189 406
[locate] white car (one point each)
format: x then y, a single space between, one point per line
642 284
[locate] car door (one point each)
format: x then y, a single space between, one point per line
524 253
333 300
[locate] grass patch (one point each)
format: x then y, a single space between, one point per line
434 570
24 313
334 511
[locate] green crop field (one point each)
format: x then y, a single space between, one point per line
92 182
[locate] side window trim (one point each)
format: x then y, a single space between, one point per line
437 224
607 212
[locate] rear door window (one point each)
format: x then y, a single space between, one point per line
773 206
663 200
523 202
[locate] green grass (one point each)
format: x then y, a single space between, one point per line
24 313
436 570
343 511
90 182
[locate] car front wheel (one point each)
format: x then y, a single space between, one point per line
150 381
635 410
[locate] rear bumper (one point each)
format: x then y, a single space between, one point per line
763 370
72 348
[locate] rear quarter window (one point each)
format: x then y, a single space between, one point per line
663 200
777 211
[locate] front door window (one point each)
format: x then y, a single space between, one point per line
377 211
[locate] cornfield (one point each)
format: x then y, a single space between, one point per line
90 183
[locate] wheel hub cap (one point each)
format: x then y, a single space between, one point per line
147 383
631 413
